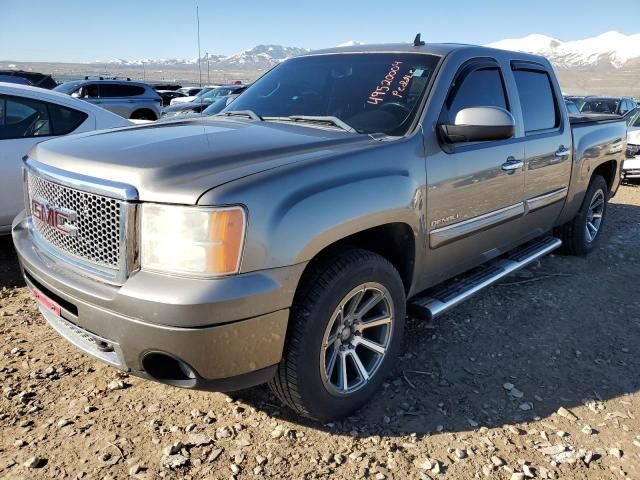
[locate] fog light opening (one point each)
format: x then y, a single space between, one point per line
168 369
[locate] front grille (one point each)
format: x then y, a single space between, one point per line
97 238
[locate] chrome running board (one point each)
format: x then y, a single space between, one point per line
437 300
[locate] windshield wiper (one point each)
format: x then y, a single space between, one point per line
326 120
241 113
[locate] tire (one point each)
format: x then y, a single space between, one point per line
143 115
305 380
573 234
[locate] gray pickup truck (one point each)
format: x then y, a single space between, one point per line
285 239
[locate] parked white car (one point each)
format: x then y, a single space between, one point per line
191 98
631 165
29 115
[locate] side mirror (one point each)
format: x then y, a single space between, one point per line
479 124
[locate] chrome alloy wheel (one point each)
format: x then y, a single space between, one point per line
594 216
356 339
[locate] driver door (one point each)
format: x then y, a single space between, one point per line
475 190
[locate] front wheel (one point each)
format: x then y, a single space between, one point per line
580 235
345 331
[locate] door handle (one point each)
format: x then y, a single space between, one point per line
563 152
512 164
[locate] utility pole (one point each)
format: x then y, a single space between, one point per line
144 72
199 58
208 74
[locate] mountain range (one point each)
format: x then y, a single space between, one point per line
260 56
612 49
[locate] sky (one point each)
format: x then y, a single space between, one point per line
90 30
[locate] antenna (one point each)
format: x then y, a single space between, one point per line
417 42
199 58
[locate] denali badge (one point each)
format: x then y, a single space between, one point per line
56 217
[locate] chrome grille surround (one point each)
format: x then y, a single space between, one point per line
103 246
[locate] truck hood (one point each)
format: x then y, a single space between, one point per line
177 162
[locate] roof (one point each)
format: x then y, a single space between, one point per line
430 48
600 98
17 89
439 49
38 79
121 81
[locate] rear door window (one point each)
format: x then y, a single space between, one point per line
537 100
115 90
90 90
25 118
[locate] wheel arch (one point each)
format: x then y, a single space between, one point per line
393 241
606 170
140 111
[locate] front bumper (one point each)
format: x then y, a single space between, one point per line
631 168
227 333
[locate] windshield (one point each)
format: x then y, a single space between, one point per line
634 119
67 87
601 105
371 92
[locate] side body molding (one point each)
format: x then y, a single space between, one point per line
546 199
449 233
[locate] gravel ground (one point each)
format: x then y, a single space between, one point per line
536 377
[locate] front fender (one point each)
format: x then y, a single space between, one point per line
297 210
319 215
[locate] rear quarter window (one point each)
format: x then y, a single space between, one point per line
537 100
65 120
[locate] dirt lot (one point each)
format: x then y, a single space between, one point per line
537 377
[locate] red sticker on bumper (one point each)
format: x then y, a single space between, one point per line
46 302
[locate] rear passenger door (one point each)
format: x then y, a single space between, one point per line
119 98
474 197
548 145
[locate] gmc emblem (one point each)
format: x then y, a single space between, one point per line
55 217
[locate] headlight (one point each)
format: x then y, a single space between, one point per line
633 150
191 240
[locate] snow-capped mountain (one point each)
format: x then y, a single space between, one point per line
612 47
261 56
351 43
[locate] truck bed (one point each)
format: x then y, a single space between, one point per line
580 119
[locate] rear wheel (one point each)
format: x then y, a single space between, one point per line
345 330
580 236
143 115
